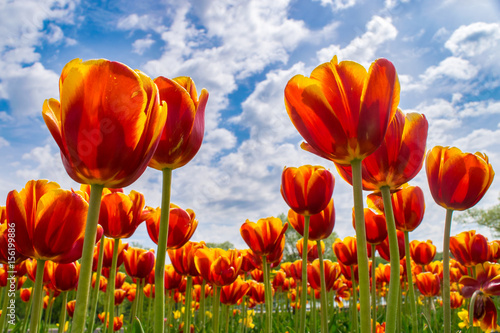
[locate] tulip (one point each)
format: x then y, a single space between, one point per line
182 225
107 126
64 277
250 261
138 262
469 248
49 224
383 248
481 288
422 252
180 140
121 214
220 268
320 225
428 283
343 112
332 273
312 249
231 294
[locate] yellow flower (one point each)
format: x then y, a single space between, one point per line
208 314
177 314
248 321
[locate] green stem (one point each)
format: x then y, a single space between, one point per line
162 250
37 305
268 295
111 285
150 301
188 301
216 306
471 310
225 311
364 276
5 302
296 312
374 291
62 316
28 310
303 295
82 295
411 288
313 311
202 306
170 317
394 285
140 294
95 290
446 272
354 305
244 313
50 306
133 310
324 305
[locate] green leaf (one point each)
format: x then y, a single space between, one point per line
137 326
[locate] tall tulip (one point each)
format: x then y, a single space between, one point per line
307 190
469 248
138 262
49 224
457 182
343 111
107 125
422 253
180 141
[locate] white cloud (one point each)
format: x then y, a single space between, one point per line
4 142
474 39
479 139
451 67
143 44
264 110
337 5
144 22
363 49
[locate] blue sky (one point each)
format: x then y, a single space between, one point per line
243 52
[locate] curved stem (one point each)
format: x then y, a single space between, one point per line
268 295
374 291
354 302
82 294
303 295
188 301
37 305
162 250
97 285
471 310
48 311
394 286
62 316
324 306
359 220
111 286
446 272
411 288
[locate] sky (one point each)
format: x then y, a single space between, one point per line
244 52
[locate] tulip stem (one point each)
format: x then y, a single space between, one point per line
446 272
62 316
162 250
37 305
354 307
48 312
111 285
359 219
324 305
5 302
303 295
374 291
82 294
268 294
188 301
394 282
411 289
471 310
97 285
216 306
202 305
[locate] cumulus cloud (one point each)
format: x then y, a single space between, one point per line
4 142
337 5
474 39
451 67
363 48
143 22
143 44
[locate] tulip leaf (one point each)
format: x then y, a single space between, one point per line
137 326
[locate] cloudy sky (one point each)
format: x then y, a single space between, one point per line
243 52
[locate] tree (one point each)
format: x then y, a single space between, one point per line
225 246
489 217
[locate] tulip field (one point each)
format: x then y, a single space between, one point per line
67 265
